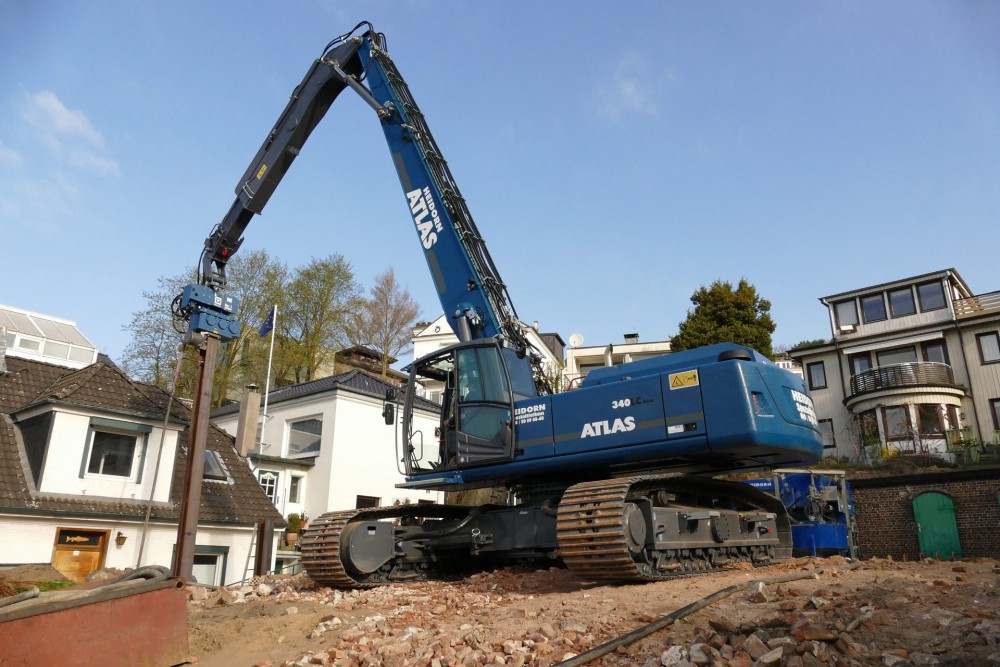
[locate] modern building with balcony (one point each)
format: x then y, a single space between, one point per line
913 367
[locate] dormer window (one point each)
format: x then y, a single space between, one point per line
112 454
116 449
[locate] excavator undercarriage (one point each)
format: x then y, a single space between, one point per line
637 528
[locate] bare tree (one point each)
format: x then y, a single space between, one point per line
385 320
151 355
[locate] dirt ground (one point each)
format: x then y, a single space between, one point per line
880 613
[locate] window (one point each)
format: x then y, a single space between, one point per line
995 410
897 421
304 437
112 454
209 564
873 307
860 363
931 296
989 347
935 352
826 431
847 313
214 468
867 423
900 355
269 482
901 302
294 487
367 501
929 419
817 375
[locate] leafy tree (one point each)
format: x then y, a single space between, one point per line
723 314
322 297
258 281
810 343
385 320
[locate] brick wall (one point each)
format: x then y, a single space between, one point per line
886 524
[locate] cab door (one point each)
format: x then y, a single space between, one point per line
483 407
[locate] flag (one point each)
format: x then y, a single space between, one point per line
269 322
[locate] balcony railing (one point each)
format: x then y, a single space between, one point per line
977 305
902 375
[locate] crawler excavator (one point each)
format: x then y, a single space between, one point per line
614 479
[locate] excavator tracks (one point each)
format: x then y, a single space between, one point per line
639 528
321 551
335 552
603 530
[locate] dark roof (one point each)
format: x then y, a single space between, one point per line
354 380
103 388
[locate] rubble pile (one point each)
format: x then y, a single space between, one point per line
907 616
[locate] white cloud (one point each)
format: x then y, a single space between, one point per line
10 158
68 134
39 204
632 89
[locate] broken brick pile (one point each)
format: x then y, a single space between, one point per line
495 619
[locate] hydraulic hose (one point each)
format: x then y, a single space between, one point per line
669 619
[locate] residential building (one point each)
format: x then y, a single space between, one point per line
784 361
324 445
92 469
582 360
913 367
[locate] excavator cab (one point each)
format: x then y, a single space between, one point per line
475 385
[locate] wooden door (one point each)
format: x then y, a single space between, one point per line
77 553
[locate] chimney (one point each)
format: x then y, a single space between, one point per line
246 426
631 338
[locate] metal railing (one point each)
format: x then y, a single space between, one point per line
977 305
902 375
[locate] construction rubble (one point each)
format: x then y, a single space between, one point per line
880 613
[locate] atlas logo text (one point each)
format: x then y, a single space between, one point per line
594 429
425 216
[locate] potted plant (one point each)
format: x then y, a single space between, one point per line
292 529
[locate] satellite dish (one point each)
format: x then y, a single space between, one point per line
576 340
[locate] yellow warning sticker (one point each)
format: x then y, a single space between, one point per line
260 172
685 379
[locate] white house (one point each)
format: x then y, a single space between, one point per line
325 446
581 360
86 454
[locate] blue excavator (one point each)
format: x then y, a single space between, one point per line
615 479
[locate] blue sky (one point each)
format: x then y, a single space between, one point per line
616 156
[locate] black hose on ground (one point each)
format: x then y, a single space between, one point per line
669 619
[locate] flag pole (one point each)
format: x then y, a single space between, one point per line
267 383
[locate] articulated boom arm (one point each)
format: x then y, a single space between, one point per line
468 284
